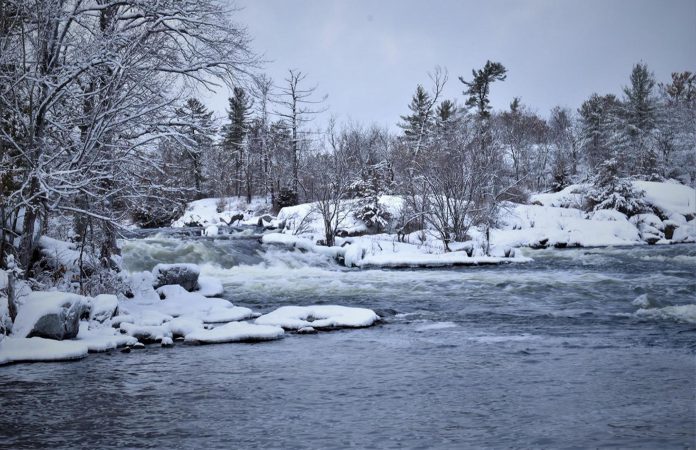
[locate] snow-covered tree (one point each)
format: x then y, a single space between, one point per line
611 191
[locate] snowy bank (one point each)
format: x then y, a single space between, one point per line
212 212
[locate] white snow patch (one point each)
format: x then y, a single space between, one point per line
235 332
318 317
37 349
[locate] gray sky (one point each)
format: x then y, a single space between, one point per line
368 56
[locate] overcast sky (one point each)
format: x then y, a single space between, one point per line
368 56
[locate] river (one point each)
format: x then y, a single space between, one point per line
545 354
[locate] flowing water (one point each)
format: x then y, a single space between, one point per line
546 354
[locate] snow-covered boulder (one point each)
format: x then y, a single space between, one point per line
185 275
686 232
52 315
319 317
211 230
102 307
235 332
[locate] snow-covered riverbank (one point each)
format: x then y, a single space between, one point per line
548 220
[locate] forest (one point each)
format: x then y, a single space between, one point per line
102 126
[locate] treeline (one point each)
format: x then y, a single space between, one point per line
100 124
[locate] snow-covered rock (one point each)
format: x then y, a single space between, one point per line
102 307
235 332
102 338
319 317
51 315
36 349
211 230
185 275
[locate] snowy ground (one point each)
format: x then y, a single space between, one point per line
212 212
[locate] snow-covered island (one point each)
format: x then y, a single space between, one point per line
558 220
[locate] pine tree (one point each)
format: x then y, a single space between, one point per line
611 191
418 125
196 130
478 89
598 117
236 131
638 121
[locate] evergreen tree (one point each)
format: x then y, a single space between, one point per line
598 117
638 121
419 123
478 89
611 191
196 130
234 142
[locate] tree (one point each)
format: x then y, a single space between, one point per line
196 131
478 89
239 112
418 125
298 107
86 94
638 114
598 119
611 191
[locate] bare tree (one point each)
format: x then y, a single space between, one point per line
298 106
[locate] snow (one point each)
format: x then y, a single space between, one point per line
102 307
235 332
35 349
319 317
211 230
101 339
182 326
205 212
209 286
60 253
38 304
669 197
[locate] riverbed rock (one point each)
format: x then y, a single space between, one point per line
103 307
51 315
185 275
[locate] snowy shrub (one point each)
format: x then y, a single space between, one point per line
373 182
613 192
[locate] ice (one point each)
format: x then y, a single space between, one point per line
235 332
35 349
319 317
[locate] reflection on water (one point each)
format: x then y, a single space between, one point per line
546 354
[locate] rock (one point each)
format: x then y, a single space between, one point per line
670 227
138 346
167 342
51 315
651 239
185 275
103 307
265 219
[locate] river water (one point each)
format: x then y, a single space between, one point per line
546 354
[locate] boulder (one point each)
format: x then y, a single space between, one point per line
185 275
670 227
103 307
51 315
